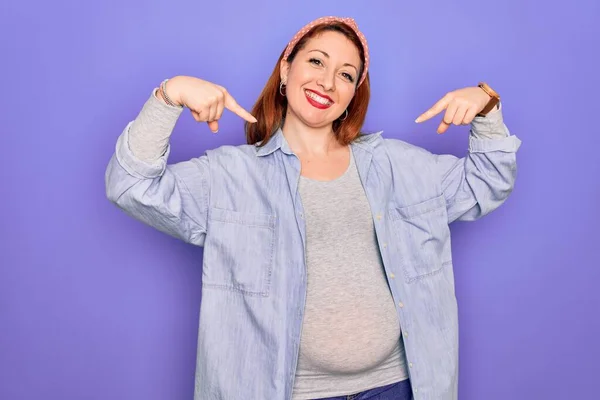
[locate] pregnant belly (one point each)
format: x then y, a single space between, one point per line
355 335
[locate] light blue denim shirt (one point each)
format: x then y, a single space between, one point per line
242 204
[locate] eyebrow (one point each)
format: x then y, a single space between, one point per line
327 55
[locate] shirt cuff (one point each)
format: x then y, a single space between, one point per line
490 126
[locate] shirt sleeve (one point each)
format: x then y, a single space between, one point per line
171 198
490 126
480 182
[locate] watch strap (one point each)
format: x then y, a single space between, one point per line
495 98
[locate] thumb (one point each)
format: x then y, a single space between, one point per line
213 126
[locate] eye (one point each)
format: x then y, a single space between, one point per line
348 76
315 61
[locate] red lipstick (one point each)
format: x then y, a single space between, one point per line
316 104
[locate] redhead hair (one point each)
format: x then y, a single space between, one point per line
271 106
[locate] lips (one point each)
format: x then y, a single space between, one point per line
318 100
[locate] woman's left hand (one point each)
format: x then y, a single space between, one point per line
461 107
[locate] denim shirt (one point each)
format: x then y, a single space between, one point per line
242 204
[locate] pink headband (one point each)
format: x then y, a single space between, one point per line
330 20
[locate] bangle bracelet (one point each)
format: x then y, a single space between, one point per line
163 91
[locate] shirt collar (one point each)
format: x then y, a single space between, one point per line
277 141
368 141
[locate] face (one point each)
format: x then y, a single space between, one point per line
321 80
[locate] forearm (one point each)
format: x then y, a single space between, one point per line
150 132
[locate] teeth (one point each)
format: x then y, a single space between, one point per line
317 98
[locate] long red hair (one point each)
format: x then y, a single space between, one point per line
271 106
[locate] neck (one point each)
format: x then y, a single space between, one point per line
307 140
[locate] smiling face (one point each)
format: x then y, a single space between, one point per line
321 79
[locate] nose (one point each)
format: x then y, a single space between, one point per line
327 81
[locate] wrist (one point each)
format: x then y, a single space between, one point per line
170 92
492 96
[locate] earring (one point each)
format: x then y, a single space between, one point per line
345 116
281 88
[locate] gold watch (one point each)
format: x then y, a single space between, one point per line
495 99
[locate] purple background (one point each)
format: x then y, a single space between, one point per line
94 305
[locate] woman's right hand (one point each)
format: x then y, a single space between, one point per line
205 100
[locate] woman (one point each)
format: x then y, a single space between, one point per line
327 268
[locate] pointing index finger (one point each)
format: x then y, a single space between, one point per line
434 110
234 107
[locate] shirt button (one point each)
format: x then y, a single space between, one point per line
401 305
410 365
384 245
393 276
405 334
378 216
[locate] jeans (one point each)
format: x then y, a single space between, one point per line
396 391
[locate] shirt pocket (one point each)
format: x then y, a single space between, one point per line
422 237
238 253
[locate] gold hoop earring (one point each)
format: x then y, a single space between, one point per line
281 88
345 116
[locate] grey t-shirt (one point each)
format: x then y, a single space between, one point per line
350 338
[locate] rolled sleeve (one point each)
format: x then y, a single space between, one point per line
490 126
172 198
508 144
489 133
480 182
